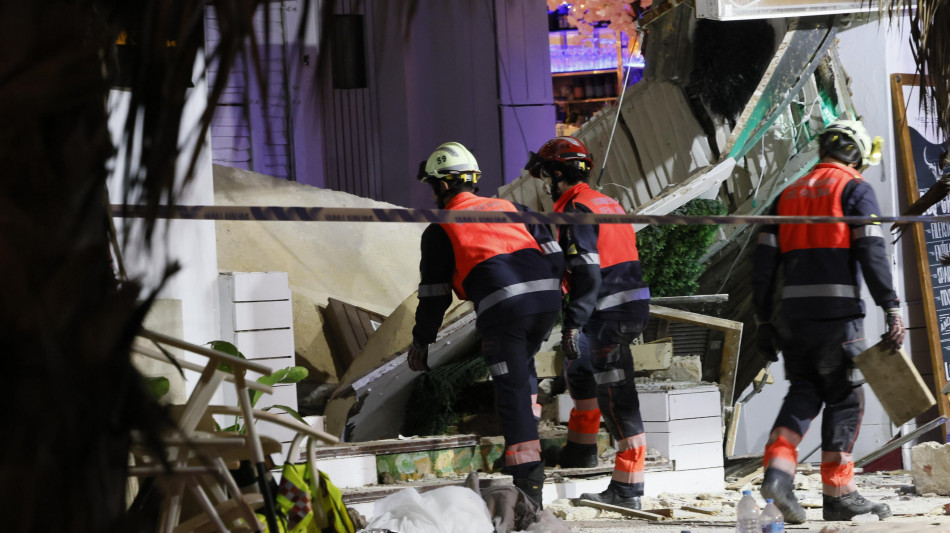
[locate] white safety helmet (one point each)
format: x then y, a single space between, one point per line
450 161
849 141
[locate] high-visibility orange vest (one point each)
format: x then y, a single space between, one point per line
821 274
474 243
616 243
817 193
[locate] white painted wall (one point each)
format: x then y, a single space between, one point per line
869 54
190 243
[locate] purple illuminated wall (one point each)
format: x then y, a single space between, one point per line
476 72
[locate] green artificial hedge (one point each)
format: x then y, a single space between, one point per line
433 402
670 254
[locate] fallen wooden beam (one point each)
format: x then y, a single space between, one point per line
622 510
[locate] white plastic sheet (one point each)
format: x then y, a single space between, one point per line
442 510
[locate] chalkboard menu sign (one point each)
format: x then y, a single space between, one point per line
920 149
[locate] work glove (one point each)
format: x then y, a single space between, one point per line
418 357
569 343
894 337
765 341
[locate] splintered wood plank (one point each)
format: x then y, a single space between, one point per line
623 510
701 510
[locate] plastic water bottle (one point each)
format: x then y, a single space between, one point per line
747 514
771 519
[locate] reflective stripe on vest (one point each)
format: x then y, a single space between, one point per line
821 291
816 193
474 243
617 298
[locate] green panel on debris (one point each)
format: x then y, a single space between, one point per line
450 462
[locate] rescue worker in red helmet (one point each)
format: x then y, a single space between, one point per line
608 306
819 326
511 273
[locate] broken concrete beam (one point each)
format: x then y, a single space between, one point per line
652 356
930 467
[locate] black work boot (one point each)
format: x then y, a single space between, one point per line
572 455
851 505
531 481
779 486
612 497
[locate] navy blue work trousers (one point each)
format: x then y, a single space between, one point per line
508 350
819 366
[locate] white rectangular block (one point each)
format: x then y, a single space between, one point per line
351 471
263 315
678 404
693 456
695 405
265 343
663 436
259 286
654 406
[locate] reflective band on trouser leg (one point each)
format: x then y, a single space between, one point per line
535 406
584 423
629 464
837 473
523 452
829 290
780 452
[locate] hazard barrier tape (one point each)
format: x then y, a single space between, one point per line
357 214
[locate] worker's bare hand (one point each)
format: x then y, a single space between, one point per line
418 357
569 343
894 337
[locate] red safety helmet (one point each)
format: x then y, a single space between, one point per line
566 150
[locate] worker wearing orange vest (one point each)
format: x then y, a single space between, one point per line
510 272
819 326
608 306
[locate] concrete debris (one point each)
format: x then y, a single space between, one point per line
657 355
931 468
683 368
322 259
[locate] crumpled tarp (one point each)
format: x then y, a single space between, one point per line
496 509
442 510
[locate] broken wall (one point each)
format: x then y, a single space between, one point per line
374 266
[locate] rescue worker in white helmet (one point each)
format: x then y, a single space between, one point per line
608 307
819 323
510 272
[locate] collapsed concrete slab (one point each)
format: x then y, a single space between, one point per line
373 266
370 403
